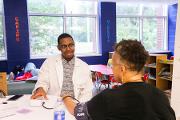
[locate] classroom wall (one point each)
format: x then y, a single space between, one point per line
175 97
17 34
172 15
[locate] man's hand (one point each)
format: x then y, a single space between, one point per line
39 93
69 103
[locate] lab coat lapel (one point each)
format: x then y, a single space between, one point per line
59 70
75 78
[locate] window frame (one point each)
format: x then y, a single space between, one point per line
96 51
2 58
141 17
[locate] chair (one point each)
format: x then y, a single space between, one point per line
94 78
114 83
145 77
3 83
2 94
102 80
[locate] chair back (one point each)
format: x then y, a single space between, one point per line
3 83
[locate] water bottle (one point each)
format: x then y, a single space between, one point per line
59 115
59 112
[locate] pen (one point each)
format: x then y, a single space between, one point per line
4 102
7 116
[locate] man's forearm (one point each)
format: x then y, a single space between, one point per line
79 110
38 93
70 104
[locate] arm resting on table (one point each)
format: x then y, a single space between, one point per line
79 110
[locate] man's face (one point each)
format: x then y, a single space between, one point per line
116 67
67 48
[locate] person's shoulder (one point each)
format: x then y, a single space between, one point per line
147 85
53 57
154 90
106 92
80 62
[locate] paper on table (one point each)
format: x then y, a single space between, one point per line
7 110
50 102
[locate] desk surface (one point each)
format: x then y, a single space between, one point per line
22 110
101 68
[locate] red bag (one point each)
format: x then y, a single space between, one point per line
25 76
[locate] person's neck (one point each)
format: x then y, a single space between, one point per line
67 59
133 78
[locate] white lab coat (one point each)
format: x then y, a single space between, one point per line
51 78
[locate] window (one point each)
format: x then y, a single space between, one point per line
2 42
128 28
48 19
146 23
153 34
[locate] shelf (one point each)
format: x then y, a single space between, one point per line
154 67
152 78
165 78
150 66
166 62
157 55
3 82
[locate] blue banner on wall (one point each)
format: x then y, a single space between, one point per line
107 26
17 35
172 15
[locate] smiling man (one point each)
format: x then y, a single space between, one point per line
64 74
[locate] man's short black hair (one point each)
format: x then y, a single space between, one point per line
63 35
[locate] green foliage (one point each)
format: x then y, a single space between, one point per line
44 32
45 6
2 51
150 30
49 21
128 9
127 28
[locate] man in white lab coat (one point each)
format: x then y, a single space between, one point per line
64 74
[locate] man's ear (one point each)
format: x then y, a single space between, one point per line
123 68
58 46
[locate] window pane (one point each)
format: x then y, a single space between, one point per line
2 44
79 18
127 9
83 30
2 49
45 6
153 33
153 10
43 35
127 28
81 7
1 5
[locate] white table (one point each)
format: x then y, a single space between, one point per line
101 68
34 113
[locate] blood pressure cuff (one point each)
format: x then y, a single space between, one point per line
81 112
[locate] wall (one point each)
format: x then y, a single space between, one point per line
175 96
17 34
172 14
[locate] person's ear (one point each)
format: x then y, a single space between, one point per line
58 46
123 68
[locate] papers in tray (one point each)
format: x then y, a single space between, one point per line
7 110
50 103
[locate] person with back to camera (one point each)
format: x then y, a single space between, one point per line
133 100
64 74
